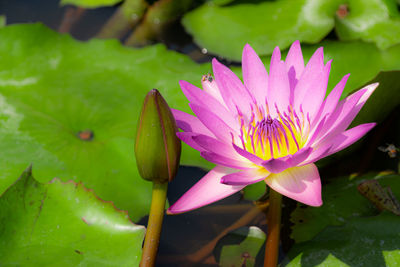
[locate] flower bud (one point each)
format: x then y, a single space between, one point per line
157 147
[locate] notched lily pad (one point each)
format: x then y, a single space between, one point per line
368 241
241 247
342 201
64 223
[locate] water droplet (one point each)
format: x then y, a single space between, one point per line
204 50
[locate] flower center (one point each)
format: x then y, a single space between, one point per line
269 137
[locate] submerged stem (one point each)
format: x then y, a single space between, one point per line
154 225
274 225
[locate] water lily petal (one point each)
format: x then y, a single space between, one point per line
208 190
309 78
187 137
299 183
294 66
280 164
251 157
217 126
245 177
226 161
316 93
189 123
214 145
349 137
332 100
255 75
199 97
231 88
345 113
278 93
294 59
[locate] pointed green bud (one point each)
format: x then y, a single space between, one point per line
157 148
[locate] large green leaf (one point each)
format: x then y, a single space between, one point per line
64 224
223 30
341 202
90 3
370 241
53 87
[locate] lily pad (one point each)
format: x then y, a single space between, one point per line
90 3
241 247
370 241
71 108
64 223
342 201
376 21
224 30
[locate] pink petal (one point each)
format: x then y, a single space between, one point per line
255 75
206 191
230 162
216 125
189 123
214 145
187 137
349 137
280 164
294 59
251 157
278 94
245 177
332 100
201 98
316 93
210 86
309 78
294 66
231 88
346 111
317 154
299 183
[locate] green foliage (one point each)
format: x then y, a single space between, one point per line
64 224
366 241
90 3
342 202
241 247
223 30
376 21
52 88
264 25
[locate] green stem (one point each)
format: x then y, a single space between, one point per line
154 225
124 19
274 226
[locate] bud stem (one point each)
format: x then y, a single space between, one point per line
154 224
274 226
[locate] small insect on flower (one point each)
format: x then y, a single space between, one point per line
270 127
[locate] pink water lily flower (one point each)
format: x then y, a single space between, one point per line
269 128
